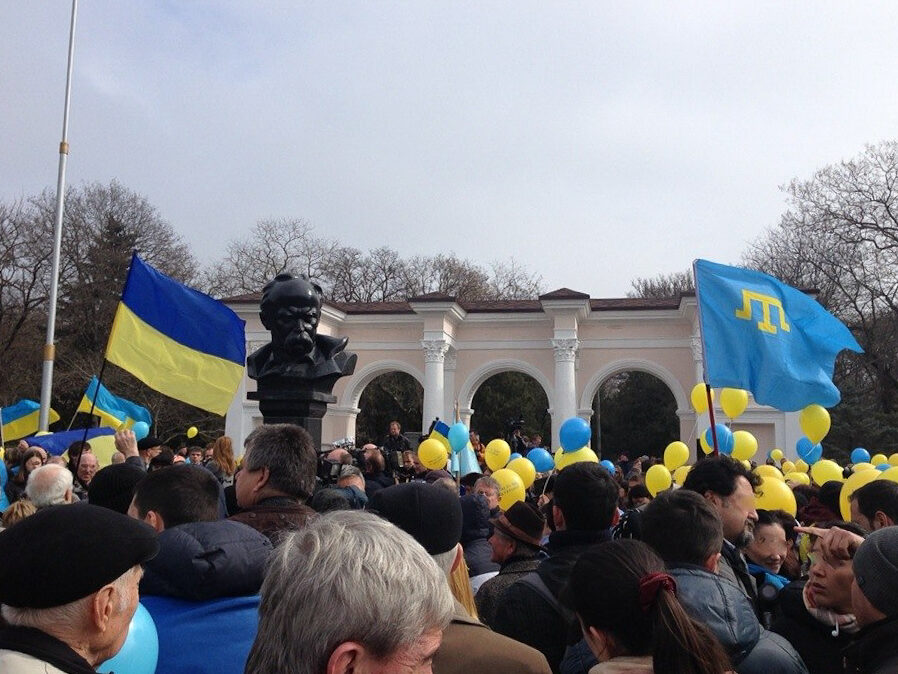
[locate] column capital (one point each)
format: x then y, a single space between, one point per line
434 350
450 359
565 350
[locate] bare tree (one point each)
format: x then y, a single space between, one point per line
663 285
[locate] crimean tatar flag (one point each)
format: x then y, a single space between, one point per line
21 419
177 340
113 410
768 338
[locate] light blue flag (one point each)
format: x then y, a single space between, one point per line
768 338
464 462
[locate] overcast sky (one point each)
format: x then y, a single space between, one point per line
595 141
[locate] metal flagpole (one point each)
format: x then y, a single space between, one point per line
701 334
49 345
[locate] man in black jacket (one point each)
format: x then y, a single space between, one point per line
206 576
584 509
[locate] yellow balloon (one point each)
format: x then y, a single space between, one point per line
565 459
496 454
769 471
852 484
774 494
699 398
525 470
826 470
657 479
744 443
733 401
675 455
814 421
798 478
746 463
879 459
679 475
511 487
788 466
893 459
801 465
706 448
776 455
192 432
890 474
860 467
432 454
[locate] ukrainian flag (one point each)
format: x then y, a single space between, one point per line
112 410
441 432
21 419
177 340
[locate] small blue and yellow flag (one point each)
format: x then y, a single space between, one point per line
441 432
112 410
177 340
768 338
21 419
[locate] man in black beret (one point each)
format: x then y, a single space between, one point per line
74 621
433 517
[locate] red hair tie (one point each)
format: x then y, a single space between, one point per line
651 584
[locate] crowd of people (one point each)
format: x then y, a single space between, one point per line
289 560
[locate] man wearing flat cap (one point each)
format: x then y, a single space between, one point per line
516 543
433 517
69 622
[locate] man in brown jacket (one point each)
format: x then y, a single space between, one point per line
277 477
433 517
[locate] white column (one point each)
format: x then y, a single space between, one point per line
449 362
434 355
565 404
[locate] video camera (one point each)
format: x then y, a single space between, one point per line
329 471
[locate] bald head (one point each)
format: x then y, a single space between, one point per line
49 485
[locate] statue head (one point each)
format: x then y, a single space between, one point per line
290 310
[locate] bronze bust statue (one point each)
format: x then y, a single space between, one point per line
290 310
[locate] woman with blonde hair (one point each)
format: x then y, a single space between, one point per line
222 464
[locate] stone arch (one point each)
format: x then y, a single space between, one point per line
369 373
487 370
618 366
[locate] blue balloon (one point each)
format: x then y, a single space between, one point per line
459 437
724 438
883 466
860 455
807 452
140 652
574 434
513 456
141 430
541 459
607 465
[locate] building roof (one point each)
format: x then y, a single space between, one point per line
491 306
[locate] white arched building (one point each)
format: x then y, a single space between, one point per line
568 342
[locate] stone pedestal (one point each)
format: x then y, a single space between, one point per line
297 405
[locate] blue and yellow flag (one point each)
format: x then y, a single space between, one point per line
21 419
768 338
112 410
177 340
441 432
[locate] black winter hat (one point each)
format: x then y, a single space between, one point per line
876 569
97 544
431 515
148 443
113 486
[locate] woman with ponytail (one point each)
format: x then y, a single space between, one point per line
631 617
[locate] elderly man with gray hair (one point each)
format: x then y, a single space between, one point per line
50 485
350 592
